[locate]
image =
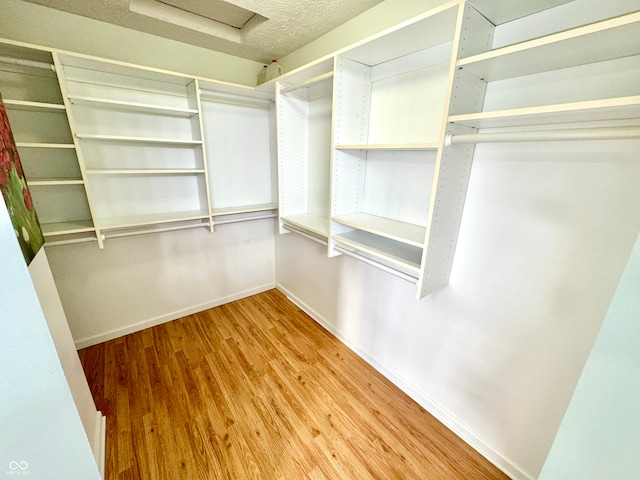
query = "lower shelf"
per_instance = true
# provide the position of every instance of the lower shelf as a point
(310, 222)
(385, 227)
(388, 251)
(67, 228)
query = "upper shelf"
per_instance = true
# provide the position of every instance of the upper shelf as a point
(132, 106)
(609, 39)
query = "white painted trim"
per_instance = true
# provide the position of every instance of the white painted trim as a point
(152, 322)
(100, 442)
(509, 467)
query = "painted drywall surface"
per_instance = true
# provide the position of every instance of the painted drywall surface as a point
(47, 27)
(47, 293)
(375, 20)
(41, 433)
(139, 281)
(599, 436)
(545, 236)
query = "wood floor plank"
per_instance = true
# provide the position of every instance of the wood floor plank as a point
(255, 389)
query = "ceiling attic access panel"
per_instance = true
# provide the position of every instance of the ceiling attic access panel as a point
(390, 102)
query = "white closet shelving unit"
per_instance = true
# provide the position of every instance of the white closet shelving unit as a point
(140, 142)
(390, 103)
(525, 74)
(241, 152)
(33, 100)
(304, 105)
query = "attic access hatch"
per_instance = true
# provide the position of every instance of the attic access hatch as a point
(213, 17)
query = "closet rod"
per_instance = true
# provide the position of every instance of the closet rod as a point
(243, 219)
(27, 63)
(598, 133)
(152, 230)
(304, 234)
(368, 261)
(70, 241)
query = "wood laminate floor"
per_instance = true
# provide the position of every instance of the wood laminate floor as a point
(255, 389)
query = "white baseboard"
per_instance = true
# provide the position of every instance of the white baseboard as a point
(512, 469)
(152, 322)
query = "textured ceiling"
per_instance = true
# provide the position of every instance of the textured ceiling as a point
(280, 26)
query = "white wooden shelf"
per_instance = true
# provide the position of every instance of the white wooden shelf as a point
(143, 140)
(54, 181)
(503, 11)
(385, 227)
(307, 83)
(593, 110)
(390, 147)
(145, 171)
(67, 228)
(132, 106)
(70, 146)
(239, 209)
(32, 106)
(151, 219)
(309, 222)
(591, 43)
(400, 254)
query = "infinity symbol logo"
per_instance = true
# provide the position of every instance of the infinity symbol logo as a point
(13, 465)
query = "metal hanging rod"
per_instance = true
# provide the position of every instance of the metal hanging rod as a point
(597, 133)
(368, 261)
(27, 63)
(304, 234)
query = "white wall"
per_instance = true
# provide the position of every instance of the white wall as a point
(47, 293)
(496, 355)
(600, 434)
(41, 434)
(47, 27)
(137, 282)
